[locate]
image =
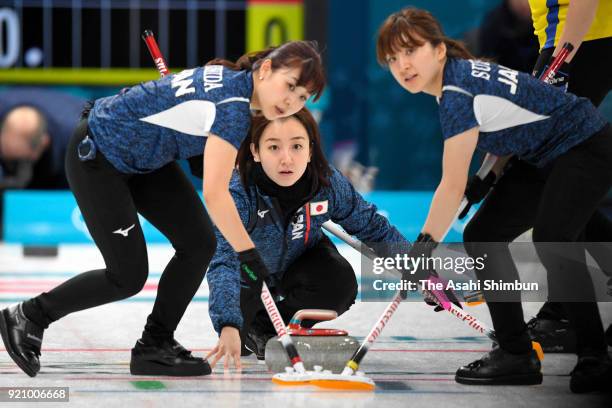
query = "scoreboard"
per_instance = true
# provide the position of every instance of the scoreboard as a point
(71, 41)
(106, 33)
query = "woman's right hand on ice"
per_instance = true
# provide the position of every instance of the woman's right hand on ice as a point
(228, 348)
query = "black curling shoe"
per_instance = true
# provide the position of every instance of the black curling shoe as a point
(22, 339)
(255, 342)
(166, 357)
(499, 367)
(554, 335)
(591, 374)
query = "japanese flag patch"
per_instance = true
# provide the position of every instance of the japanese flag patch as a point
(318, 208)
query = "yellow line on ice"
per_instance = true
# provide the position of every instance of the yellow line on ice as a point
(81, 76)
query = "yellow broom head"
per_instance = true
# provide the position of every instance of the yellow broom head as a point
(324, 379)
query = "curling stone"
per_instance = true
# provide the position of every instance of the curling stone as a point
(328, 348)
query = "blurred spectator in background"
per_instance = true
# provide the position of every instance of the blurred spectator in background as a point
(361, 177)
(35, 125)
(506, 35)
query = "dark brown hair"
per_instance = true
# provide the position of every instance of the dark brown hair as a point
(318, 163)
(411, 28)
(294, 54)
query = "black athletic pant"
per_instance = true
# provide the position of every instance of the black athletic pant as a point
(557, 202)
(110, 203)
(590, 77)
(320, 278)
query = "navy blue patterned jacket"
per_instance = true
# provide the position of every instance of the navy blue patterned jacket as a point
(280, 245)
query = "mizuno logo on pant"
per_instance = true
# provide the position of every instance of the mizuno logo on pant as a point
(124, 232)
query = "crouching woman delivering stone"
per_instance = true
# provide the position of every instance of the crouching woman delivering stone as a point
(285, 190)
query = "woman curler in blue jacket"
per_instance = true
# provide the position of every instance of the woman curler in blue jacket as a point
(285, 190)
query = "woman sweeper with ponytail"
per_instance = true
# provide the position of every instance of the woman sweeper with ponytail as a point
(121, 162)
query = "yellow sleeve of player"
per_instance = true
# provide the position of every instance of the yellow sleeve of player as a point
(549, 20)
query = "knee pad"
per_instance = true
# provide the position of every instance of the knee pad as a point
(202, 252)
(129, 280)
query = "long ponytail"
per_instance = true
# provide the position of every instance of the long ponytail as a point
(457, 49)
(248, 62)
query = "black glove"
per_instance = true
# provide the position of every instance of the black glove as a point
(433, 299)
(253, 273)
(476, 190)
(421, 248)
(561, 77)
